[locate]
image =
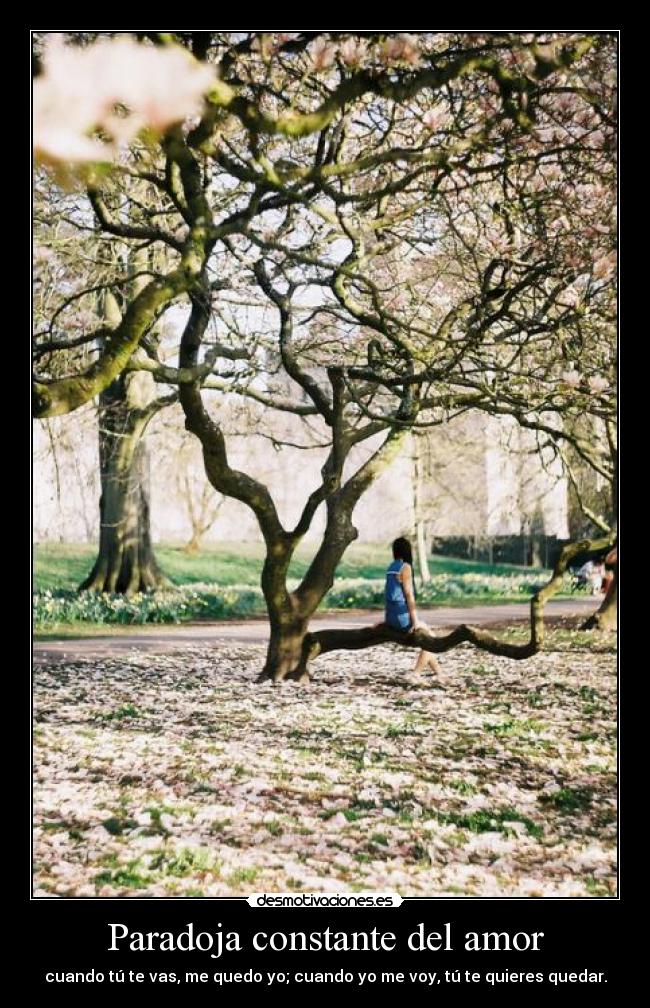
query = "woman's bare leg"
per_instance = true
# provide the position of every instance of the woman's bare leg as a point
(425, 658)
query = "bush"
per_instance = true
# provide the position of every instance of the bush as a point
(361, 594)
(169, 606)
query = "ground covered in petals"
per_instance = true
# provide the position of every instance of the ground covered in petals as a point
(177, 775)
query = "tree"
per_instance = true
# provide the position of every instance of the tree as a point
(201, 503)
(87, 273)
(319, 162)
(125, 562)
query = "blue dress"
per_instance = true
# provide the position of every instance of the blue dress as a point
(397, 613)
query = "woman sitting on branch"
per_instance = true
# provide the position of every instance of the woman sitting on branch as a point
(401, 613)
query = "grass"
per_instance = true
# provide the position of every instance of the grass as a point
(63, 565)
(568, 800)
(486, 822)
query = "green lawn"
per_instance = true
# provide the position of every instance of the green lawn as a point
(59, 565)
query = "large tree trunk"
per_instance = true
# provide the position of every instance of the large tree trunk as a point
(284, 656)
(290, 612)
(125, 563)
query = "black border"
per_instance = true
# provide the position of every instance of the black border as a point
(72, 935)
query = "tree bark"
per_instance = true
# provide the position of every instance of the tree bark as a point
(125, 563)
(606, 616)
(290, 612)
(284, 654)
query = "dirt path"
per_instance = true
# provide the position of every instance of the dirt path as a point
(162, 639)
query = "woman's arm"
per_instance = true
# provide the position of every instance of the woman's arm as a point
(406, 579)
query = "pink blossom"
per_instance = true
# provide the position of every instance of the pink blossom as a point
(574, 258)
(353, 52)
(42, 255)
(58, 133)
(436, 119)
(597, 384)
(263, 44)
(571, 296)
(400, 49)
(323, 54)
(572, 378)
(566, 102)
(552, 171)
(488, 103)
(524, 62)
(605, 266)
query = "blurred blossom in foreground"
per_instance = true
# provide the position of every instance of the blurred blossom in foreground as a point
(118, 86)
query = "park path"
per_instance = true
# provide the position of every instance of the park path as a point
(165, 639)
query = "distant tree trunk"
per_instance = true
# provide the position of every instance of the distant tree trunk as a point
(193, 545)
(202, 513)
(536, 552)
(418, 509)
(423, 555)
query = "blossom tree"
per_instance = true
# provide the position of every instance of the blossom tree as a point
(385, 203)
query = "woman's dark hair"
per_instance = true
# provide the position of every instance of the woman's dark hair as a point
(402, 550)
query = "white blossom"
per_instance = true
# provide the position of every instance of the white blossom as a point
(117, 86)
